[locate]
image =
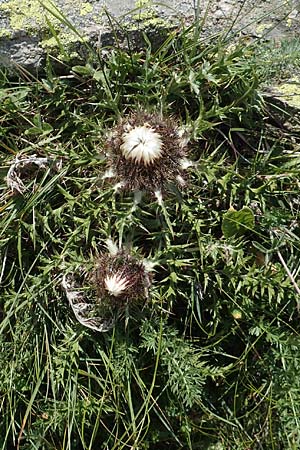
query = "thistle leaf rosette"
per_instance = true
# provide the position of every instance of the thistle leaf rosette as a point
(146, 152)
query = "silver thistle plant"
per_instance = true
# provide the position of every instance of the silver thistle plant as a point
(117, 280)
(146, 152)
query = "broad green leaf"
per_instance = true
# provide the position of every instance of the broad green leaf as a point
(83, 70)
(237, 223)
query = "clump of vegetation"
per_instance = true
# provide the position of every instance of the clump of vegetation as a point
(210, 357)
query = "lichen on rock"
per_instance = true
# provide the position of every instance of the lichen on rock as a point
(34, 16)
(26, 15)
(290, 91)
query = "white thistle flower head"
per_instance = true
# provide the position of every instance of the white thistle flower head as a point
(116, 284)
(120, 279)
(146, 152)
(142, 144)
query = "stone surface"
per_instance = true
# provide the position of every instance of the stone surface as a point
(29, 29)
(284, 100)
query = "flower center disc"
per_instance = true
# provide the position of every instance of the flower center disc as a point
(142, 144)
(116, 284)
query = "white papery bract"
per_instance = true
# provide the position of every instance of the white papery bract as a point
(85, 311)
(142, 144)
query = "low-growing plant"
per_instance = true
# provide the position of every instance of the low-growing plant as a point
(208, 356)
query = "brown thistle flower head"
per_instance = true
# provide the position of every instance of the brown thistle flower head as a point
(120, 279)
(146, 152)
(99, 297)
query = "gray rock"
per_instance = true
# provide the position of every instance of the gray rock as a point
(30, 31)
(283, 101)
(24, 51)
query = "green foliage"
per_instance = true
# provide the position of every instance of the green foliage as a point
(211, 360)
(237, 223)
(279, 61)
